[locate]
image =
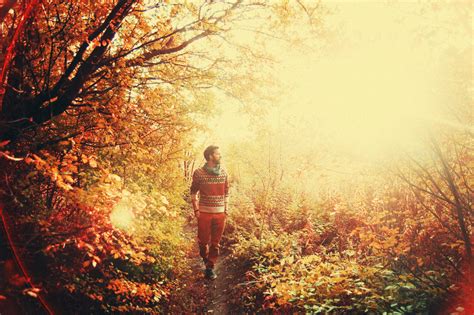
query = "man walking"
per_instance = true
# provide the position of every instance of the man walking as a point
(211, 182)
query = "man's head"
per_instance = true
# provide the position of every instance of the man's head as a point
(212, 154)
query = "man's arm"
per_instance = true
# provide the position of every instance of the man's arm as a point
(195, 200)
(194, 191)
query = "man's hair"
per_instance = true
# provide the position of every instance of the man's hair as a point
(209, 150)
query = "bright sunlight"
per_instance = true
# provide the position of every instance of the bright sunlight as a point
(370, 92)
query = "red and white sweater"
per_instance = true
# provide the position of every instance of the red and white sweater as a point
(213, 190)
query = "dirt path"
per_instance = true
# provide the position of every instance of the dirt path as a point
(200, 295)
(220, 287)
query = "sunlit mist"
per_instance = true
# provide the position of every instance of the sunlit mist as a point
(371, 89)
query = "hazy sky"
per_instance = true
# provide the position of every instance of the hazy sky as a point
(371, 89)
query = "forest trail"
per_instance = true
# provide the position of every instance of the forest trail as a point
(219, 288)
(200, 295)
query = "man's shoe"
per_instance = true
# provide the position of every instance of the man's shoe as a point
(210, 274)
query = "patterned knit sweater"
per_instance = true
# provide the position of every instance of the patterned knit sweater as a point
(213, 190)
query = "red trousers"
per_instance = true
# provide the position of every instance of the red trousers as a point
(210, 229)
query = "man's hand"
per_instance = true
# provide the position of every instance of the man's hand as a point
(196, 213)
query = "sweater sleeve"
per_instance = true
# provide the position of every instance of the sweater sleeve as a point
(195, 184)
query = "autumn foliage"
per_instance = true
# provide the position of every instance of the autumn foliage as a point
(100, 105)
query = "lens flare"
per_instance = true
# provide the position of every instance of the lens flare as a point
(122, 215)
